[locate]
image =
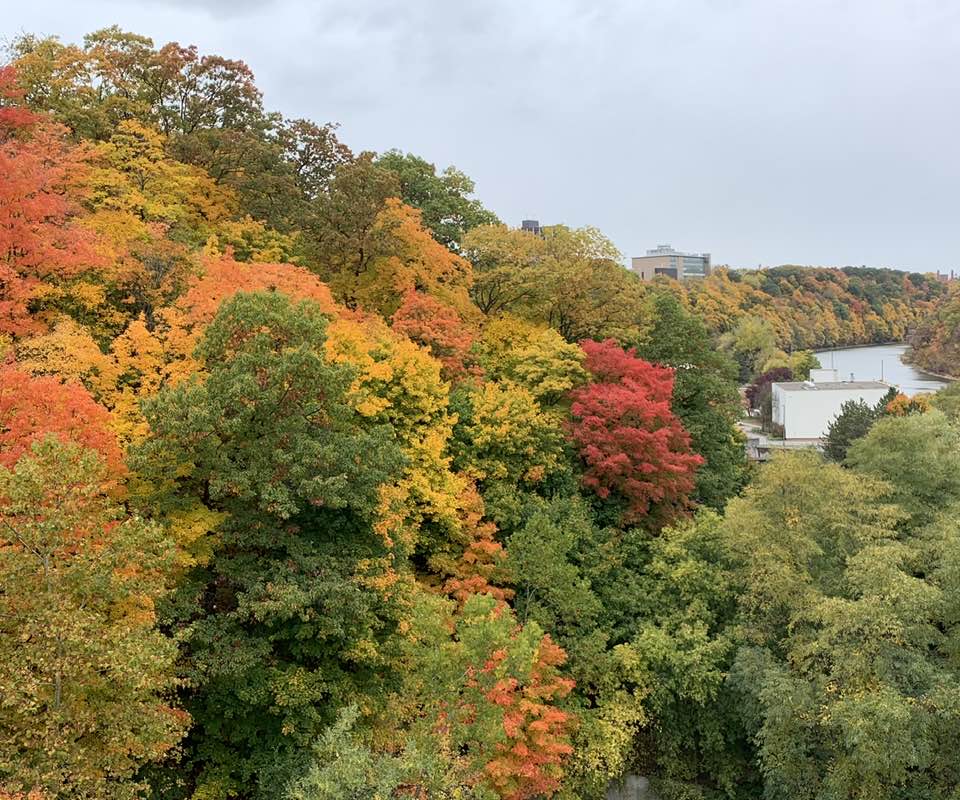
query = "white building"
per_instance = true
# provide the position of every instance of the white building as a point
(805, 409)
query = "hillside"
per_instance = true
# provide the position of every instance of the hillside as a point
(319, 482)
(815, 308)
(936, 342)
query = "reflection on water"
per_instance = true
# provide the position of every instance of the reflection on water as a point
(880, 362)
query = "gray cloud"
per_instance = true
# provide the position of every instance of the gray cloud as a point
(765, 131)
(216, 8)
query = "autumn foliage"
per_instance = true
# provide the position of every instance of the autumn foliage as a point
(438, 327)
(529, 763)
(32, 408)
(375, 494)
(479, 567)
(39, 247)
(634, 448)
(222, 277)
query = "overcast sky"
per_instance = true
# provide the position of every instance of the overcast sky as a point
(763, 131)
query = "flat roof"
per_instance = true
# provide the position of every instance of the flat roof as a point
(672, 255)
(809, 386)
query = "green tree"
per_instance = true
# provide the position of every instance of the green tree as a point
(948, 401)
(585, 293)
(569, 279)
(85, 676)
(289, 620)
(551, 560)
(346, 767)
(752, 342)
(571, 578)
(705, 396)
(919, 455)
(504, 267)
(681, 648)
(340, 235)
(853, 422)
(445, 200)
(846, 670)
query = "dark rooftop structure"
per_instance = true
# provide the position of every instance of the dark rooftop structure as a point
(532, 226)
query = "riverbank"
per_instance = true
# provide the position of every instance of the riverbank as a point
(942, 376)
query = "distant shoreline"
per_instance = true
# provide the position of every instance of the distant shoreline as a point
(941, 376)
(860, 347)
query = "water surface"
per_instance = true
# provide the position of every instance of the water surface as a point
(880, 362)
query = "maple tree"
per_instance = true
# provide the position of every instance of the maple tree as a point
(32, 408)
(504, 436)
(39, 249)
(399, 384)
(532, 356)
(634, 448)
(479, 567)
(493, 695)
(437, 327)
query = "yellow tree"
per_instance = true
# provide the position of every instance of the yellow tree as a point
(399, 383)
(503, 436)
(409, 259)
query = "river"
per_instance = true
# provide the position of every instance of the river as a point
(880, 362)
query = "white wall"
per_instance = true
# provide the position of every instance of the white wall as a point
(807, 414)
(820, 375)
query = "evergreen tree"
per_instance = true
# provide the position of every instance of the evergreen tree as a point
(853, 422)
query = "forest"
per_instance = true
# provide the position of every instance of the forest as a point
(318, 481)
(935, 343)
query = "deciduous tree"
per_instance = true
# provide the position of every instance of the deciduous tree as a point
(39, 247)
(493, 692)
(439, 328)
(86, 676)
(32, 408)
(295, 610)
(635, 450)
(444, 199)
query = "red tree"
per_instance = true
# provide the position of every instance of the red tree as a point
(37, 243)
(34, 407)
(529, 763)
(437, 327)
(635, 449)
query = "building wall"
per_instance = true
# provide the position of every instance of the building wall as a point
(808, 414)
(676, 265)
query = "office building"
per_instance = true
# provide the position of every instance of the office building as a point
(665, 260)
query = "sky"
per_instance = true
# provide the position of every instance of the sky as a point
(819, 132)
